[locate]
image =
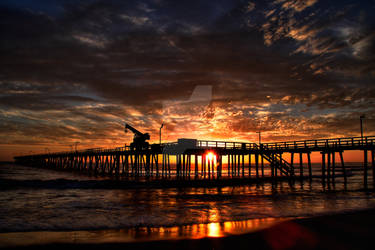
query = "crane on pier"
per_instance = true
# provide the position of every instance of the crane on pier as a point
(139, 140)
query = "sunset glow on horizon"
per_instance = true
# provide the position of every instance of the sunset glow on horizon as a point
(72, 75)
(193, 124)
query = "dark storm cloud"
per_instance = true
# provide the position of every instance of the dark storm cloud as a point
(333, 33)
(231, 53)
(282, 65)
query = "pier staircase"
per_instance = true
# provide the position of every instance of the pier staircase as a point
(276, 160)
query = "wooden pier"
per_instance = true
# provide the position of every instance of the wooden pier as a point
(214, 159)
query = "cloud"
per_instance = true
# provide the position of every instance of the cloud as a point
(329, 33)
(282, 66)
(136, 20)
(296, 5)
(91, 40)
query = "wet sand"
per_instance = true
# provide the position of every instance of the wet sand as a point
(351, 230)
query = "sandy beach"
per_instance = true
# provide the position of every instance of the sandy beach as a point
(351, 230)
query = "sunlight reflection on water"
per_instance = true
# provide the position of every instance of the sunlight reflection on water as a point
(195, 231)
(143, 213)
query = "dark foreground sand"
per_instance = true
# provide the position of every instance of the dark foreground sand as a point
(354, 230)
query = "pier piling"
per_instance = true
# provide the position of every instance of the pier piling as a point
(243, 160)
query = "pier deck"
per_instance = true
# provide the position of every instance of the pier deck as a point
(204, 159)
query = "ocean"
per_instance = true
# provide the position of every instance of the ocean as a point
(34, 200)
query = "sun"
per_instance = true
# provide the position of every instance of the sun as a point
(210, 156)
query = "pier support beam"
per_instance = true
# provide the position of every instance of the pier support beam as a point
(262, 166)
(291, 163)
(202, 166)
(196, 166)
(257, 166)
(272, 165)
(301, 166)
(250, 166)
(220, 165)
(228, 165)
(365, 168)
(343, 166)
(328, 166)
(333, 166)
(243, 165)
(309, 165)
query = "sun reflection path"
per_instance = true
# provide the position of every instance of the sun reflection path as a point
(138, 234)
(214, 230)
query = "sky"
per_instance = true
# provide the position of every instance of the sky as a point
(74, 71)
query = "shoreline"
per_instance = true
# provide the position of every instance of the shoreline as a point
(348, 230)
(7, 184)
(123, 184)
(158, 182)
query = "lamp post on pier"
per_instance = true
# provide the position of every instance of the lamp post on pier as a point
(260, 140)
(361, 123)
(75, 144)
(162, 125)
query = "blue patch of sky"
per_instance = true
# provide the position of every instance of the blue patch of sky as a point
(49, 7)
(196, 12)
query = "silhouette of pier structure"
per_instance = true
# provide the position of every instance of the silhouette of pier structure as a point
(191, 158)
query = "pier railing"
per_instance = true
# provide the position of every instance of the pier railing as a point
(314, 145)
(226, 145)
(351, 142)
